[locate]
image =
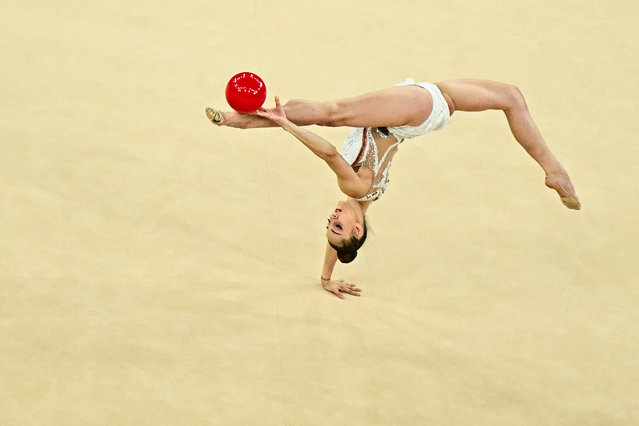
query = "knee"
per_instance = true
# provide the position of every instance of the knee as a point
(514, 98)
(331, 114)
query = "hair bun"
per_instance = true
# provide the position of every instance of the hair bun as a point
(346, 256)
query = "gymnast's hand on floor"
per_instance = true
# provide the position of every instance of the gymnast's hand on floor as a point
(339, 286)
(277, 114)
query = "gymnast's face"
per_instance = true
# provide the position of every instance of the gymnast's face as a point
(342, 224)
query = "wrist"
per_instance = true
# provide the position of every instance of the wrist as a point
(285, 124)
(324, 280)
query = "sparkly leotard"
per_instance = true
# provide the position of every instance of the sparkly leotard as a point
(359, 150)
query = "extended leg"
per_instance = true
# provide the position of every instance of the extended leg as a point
(396, 106)
(481, 95)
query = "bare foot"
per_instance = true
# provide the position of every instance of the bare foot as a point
(237, 119)
(560, 182)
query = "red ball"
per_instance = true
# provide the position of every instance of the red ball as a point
(245, 92)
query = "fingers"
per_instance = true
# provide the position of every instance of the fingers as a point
(337, 287)
(266, 112)
(343, 287)
(349, 286)
(351, 289)
(335, 290)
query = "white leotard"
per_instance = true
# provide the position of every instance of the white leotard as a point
(437, 120)
(360, 149)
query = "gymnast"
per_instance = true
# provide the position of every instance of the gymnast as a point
(380, 121)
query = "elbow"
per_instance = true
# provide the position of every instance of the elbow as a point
(330, 154)
(354, 193)
(353, 189)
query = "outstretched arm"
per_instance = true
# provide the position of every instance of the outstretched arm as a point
(349, 182)
(335, 286)
(318, 145)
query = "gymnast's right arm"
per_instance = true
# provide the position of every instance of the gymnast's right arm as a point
(336, 287)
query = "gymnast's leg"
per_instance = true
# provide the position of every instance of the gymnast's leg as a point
(395, 106)
(481, 95)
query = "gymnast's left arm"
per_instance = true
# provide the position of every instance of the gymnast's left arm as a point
(348, 181)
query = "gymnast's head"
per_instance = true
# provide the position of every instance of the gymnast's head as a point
(346, 230)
